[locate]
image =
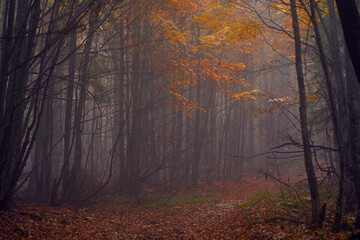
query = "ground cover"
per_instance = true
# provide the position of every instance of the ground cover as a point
(251, 209)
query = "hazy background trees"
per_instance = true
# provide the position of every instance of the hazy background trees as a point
(105, 96)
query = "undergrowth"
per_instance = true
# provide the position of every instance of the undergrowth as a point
(284, 213)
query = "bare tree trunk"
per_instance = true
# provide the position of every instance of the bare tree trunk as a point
(212, 146)
(8, 26)
(174, 168)
(68, 112)
(134, 145)
(354, 135)
(227, 128)
(83, 83)
(119, 109)
(350, 20)
(44, 143)
(334, 114)
(315, 201)
(15, 135)
(197, 144)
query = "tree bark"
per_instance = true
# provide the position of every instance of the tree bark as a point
(80, 108)
(334, 116)
(312, 181)
(14, 137)
(69, 111)
(350, 21)
(354, 135)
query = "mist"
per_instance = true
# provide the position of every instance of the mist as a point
(138, 101)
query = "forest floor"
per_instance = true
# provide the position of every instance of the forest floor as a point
(251, 209)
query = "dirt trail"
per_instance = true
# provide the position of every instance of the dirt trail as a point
(206, 220)
(209, 220)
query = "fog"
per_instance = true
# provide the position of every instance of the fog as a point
(139, 97)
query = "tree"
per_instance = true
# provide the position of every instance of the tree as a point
(315, 200)
(350, 20)
(65, 171)
(16, 137)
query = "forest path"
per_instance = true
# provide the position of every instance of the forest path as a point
(219, 211)
(208, 219)
(208, 212)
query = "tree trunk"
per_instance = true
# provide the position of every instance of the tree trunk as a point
(350, 21)
(8, 27)
(334, 115)
(134, 144)
(80, 108)
(119, 111)
(197, 144)
(69, 112)
(354, 135)
(13, 145)
(313, 185)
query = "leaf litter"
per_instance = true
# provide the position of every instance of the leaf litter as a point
(250, 209)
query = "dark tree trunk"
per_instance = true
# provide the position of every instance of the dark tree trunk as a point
(197, 144)
(334, 116)
(350, 21)
(8, 28)
(134, 143)
(15, 135)
(69, 112)
(354, 136)
(313, 185)
(76, 172)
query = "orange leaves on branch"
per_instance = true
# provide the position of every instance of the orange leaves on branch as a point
(226, 24)
(182, 5)
(221, 70)
(169, 30)
(202, 41)
(313, 98)
(246, 95)
(185, 104)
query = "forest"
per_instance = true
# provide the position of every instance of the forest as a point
(179, 119)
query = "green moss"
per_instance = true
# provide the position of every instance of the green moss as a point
(21, 232)
(243, 206)
(262, 196)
